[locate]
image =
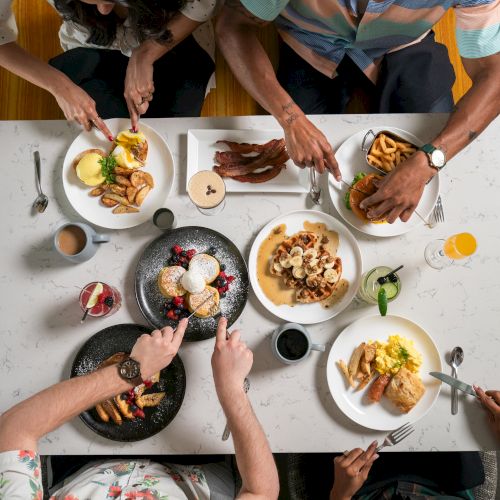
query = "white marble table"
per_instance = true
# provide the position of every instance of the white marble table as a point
(40, 329)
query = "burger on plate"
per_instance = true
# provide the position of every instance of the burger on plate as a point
(362, 186)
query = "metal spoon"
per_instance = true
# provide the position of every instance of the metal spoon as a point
(456, 358)
(314, 189)
(42, 200)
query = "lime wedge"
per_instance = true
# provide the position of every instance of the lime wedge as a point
(391, 290)
(382, 302)
(94, 296)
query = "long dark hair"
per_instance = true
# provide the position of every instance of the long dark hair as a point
(147, 18)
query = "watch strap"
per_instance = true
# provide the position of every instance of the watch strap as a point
(428, 148)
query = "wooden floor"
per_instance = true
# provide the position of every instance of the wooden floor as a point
(38, 25)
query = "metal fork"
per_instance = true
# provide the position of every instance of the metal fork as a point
(438, 211)
(227, 431)
(396, 436)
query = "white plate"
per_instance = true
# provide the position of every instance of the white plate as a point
(159, 164)
(381, 416)
(202, 148)
(351, 160)
(351, 267)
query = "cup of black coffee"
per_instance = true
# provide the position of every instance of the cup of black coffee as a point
(291, 343)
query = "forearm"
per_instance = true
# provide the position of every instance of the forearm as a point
(253, 455)
(30, 68)
(473, 113)
(24, 424)
(180, 27)
(253, 69)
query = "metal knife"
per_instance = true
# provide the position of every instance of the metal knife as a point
(458, 384)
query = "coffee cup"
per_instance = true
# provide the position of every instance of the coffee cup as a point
(77, 242)
(292, 343)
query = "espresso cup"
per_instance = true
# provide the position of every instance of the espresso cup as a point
(292, 343)
(77, 242)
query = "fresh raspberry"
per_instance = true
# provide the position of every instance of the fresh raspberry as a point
(171, 314)
(139, 413)
(148, 384)
(177, 249)
(191, 253)
(225, 288)
(222, 274)
(230, 279)
(178, 301)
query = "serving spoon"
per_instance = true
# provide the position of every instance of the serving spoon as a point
(42, 200)
(456, 358)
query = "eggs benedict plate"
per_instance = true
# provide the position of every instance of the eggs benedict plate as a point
(121, 184)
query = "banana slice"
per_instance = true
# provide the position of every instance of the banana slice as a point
(310, 253)
(285, 260)
(331, 275)
(296, 251)
(329, 263)
(299, 272)
(313, 281)
(296, 260)
(278, 267)
(312, 269)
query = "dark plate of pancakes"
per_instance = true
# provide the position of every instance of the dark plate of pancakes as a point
(121, 338)
(155, 258)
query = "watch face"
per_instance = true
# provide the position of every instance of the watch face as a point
(438, 158)
(129, 369)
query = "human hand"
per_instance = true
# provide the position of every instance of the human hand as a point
(308, 147)
(491, 403)
(78, 106)
(231, 362)
(351, 471)
(139, 85)
(400, 191)
(156, 351)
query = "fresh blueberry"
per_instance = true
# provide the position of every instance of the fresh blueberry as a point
(133, 408)
(222, 267)
(177, 311)
(124, 396)
(185, 265)
(223, 283)
(212, 251)
(169, 305)
(184, 253)
(109, 301)
(222, 295)
(393, 278)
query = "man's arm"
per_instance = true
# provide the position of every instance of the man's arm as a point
(236, 33)
(23, 425)
(139, 84)
(400, 192)
(231, 363)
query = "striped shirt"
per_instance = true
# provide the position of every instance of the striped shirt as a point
(323, 31)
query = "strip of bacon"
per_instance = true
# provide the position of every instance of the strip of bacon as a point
(223, 157)
(245, 147)
(265, 176)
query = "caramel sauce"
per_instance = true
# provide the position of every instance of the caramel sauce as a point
(272, 286)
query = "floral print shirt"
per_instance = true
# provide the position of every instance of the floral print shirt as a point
(20, 478)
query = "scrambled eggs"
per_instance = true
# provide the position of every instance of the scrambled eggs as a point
(395, 353)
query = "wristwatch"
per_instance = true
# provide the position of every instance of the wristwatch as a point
(436, 156)
(130, 370)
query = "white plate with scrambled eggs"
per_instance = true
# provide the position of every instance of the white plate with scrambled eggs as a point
(422, 357)
(159, 163)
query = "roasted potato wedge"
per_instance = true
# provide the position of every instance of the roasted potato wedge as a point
(118, 189)
(117, 197)
(124, 171)
(141, 195)
(122, 209)
(122, 180)
(149, 179)
(355, 359)
(97, 191)
(370, 351)
(365, 380)
(109, 202)
(137, 179)
(131, 192)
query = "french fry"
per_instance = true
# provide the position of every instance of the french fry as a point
(374, 161)
(343, 368)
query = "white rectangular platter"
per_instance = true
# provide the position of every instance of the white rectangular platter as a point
(202, 148)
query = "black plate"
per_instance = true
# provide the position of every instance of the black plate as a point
(121, 338)
(155, 257)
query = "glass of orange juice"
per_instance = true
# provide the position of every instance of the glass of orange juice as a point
(441, 253)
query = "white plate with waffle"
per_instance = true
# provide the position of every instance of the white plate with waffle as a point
(305, 313)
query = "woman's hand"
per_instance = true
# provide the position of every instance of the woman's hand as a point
(78, 106)
(139, 85)
(491, 403)
(351, 471)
